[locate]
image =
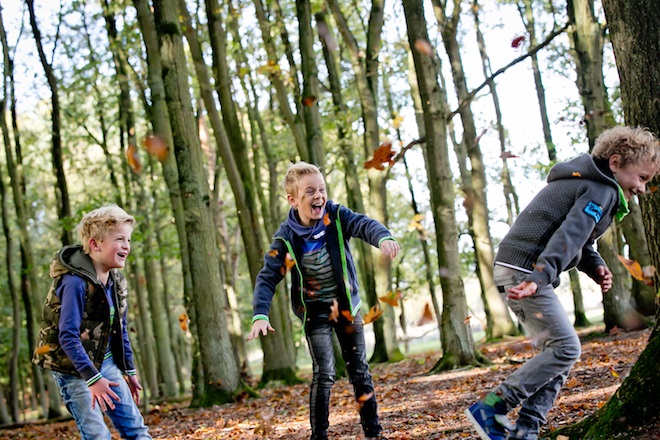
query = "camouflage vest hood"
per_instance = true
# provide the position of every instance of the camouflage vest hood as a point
(95, 327)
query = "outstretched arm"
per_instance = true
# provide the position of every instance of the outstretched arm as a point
(260, 326)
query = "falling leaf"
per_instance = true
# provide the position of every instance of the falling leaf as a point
(517, 41)
(427, 316)
(636, 270)
(652, 189)
(601, 404)
(44, 349)
(392, 298)
(184, 321)
(156, 146)
(133, 159)
(424, 47)
(373, 314)
(416, 223)
(363, 398)
(273, 252)
(508, 155)
(576, 174)
(613, 371)
(289, 262)
(309, 100)
(347, 314)
(538, 267)
(326, 219)
(397, 121)
(382, 155)
(334, 311)
(467, 320)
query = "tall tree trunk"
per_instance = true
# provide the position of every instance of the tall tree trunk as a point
(578, 302)
(510, 195)
(62, 192)
(158, 320)
(499, 321)
(365, 67)
(160, 121)
(587, 44)
(457, 343)
(221, 375)
(274, 71)
(311, 92)
(276, 366)
(527, 15)
(635, 32)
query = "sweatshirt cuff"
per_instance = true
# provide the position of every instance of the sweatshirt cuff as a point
(260, 318)
(130, 372)
(389, 237)
(92, 380)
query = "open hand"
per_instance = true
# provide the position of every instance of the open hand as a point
(260, 326)
(102, 393)
(134, 385)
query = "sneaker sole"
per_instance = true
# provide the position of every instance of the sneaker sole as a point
(477, 426)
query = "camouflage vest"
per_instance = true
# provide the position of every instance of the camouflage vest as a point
(95, 327)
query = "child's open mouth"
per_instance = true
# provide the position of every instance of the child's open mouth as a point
(317, 208)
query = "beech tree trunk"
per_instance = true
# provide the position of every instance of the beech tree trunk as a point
(635, 32)
(457, 343)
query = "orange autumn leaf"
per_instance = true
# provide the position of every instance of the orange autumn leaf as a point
(576, 174)
(392, 298)
(326, 219)
(652, 189)
(467, 319)
(427, 316)
(44, 349)
(423, 47)
(347, 314)
(309, 100)
(508, 155)
(334, 311)
(636, 270)
(183, 321)
(156, 146)
(289, 262)
(382, 155)
(273, 252)
(363, 398)
(373, 314)
(133, 159)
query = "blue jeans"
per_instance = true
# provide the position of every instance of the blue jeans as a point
(318, 330)
(126, 416)
(537, 382)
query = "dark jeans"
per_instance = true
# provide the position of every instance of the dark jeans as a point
(318, 330)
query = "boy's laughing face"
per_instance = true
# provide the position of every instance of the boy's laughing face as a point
(310, 199)
(112, 251)
(633, 177)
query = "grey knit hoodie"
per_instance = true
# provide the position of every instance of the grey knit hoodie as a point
(557, 230)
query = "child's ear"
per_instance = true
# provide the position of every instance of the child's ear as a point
(615, 162)
(93, 244)
(292, 200)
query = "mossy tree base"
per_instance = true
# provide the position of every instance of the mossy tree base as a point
(451, 361)
(286, 376)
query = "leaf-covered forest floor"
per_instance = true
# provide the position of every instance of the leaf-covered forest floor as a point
(412, 404)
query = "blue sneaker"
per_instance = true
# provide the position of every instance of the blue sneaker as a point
(489, 422)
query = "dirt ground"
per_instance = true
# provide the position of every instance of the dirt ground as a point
(412, 404)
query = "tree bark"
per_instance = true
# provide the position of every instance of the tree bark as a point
(635, 32)
(457, 343)
(222, 380)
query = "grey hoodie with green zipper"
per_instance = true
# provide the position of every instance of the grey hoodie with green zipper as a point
(559, 227)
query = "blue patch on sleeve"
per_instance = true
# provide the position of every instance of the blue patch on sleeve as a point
(594, 210)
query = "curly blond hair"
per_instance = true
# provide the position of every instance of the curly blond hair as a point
(295, 172)
(97, 223)
(633, 145)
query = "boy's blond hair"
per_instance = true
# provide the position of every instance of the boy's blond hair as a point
(295, 172)
(635, 145)
(97, 223)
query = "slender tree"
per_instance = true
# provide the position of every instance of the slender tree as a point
(635, 32)
(457, 344)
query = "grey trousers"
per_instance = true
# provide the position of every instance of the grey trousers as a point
(537, 382)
